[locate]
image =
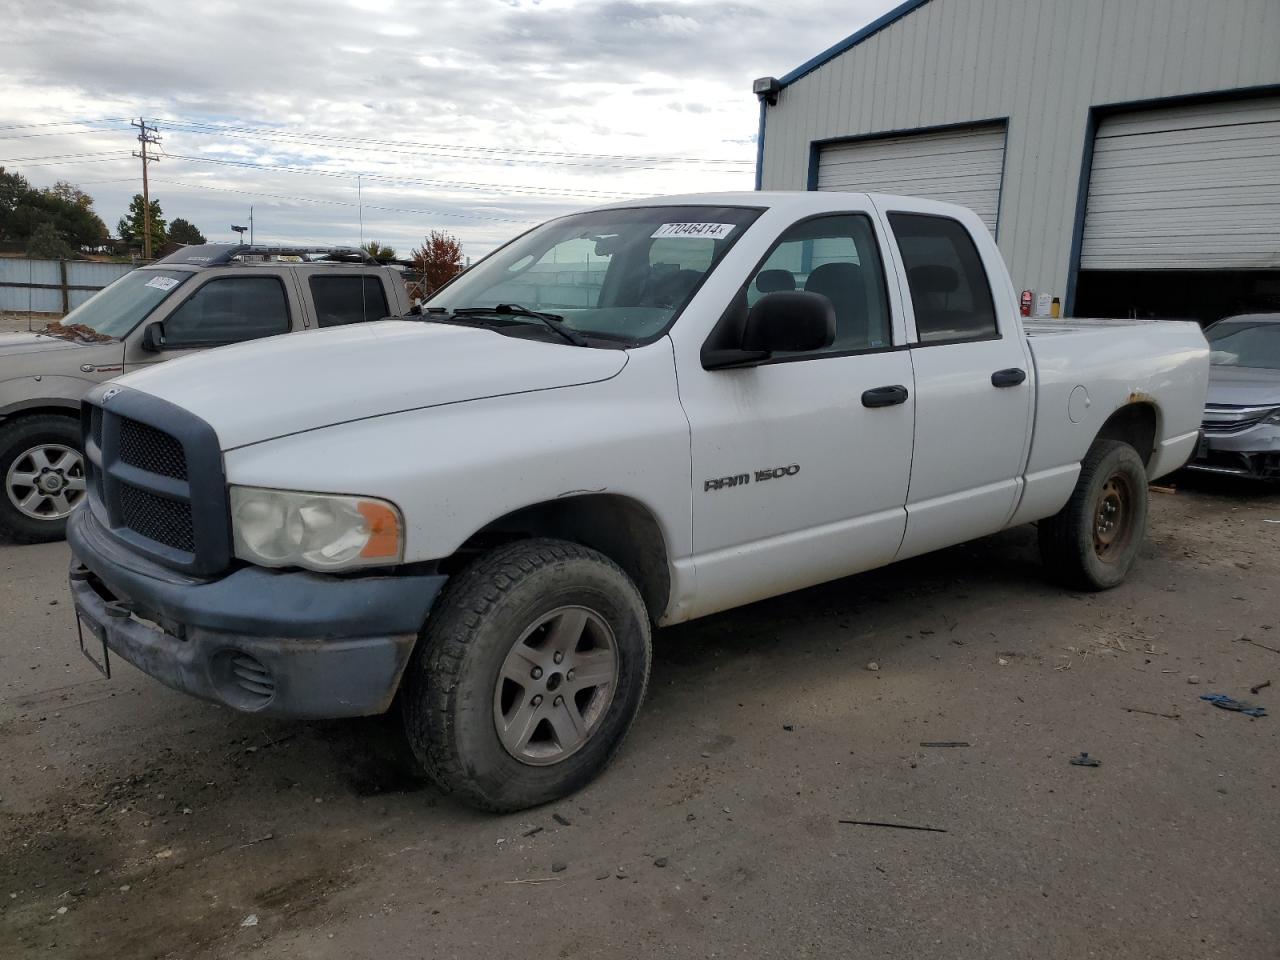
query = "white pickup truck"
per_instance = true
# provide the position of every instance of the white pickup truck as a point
(626, 417)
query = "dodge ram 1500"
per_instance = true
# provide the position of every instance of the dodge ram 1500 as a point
(626, 417)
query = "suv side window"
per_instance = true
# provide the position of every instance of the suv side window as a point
(836, 256)
(949, 287)
(348, 298)
(229, 310)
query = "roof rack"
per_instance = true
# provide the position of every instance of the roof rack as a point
(218, 254)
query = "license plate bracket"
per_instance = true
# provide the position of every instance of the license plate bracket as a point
(98, 633)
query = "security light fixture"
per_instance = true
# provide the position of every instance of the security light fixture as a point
(767, 89)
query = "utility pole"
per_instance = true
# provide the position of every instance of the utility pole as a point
(251, 225)
(146, 135)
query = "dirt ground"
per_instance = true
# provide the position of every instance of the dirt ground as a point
(138, 823)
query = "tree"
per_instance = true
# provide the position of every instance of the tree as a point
(378, 251)
(183, 231)
(66, 208)
(439, 260)
(71, 194)
(46, 243)
(131, 225)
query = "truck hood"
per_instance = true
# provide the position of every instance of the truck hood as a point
(19, 344)
(1244, 386)
(303, 381)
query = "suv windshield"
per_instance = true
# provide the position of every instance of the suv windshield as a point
(117, 309)
(616, 274)
(1245, 343)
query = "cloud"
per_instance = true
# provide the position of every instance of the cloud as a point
(417, 99)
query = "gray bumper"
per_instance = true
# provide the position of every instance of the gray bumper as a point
(280, 643)
(1249, 453)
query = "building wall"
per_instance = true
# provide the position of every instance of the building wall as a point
(1042, 64)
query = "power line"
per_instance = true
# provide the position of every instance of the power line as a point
(456, 184)
(64, 123)
(340, 203)
(265, 133)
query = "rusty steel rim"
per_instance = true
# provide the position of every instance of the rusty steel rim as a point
(1113, 519)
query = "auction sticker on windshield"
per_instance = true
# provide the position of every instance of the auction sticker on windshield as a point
(716, 231)
(163, 283)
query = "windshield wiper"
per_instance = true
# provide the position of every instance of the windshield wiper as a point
(552, 320)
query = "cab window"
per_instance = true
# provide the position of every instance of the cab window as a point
(347, 299)
(949, 289)
(229, 310)
(836, 257)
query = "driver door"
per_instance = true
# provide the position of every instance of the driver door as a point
(225, 309)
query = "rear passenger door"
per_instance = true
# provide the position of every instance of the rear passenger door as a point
(342, 298)
(973, 377)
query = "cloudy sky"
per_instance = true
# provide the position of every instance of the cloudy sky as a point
(476, 116)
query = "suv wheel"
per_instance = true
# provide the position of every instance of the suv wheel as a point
(42, 470)
(530, 671)
(1092, 542)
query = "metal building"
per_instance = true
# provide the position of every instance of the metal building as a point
(1125, 152)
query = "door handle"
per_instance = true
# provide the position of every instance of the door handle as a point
(1008, 378)
(884, 396)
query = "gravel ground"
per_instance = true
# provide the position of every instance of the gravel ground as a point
(137, 823)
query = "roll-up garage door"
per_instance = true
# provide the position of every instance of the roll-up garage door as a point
(961, 165)
(1194, 187)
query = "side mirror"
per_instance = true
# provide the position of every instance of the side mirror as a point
(783, 321)
(153, 337)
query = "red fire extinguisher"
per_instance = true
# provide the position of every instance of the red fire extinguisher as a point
(1025, 302)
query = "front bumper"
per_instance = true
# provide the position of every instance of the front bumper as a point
(280, 643)
(1254, 452)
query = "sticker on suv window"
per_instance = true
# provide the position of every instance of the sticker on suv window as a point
(162, 283)
(716, 231)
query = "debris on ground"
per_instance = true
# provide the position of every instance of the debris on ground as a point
(1257, 644)
(1084, 760)
(1193, 679)
(534, 832)
(561, 819)
(873, 666)
(1154, 713)
(944, 743)
(660, 862)
(892, 826)
(559, 867)
(250, 921)
(1261, 686)
(1237, 706)
(788, 726)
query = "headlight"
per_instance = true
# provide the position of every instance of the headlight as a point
(319, 531)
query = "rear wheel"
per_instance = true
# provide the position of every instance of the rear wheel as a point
(529, 673)
(1092, 542)
(42, 470)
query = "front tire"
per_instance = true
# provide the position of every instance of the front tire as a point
(528, 675)
(42, 477)
(1091, 543)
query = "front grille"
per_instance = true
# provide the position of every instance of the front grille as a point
(156, 479)
(153, 450)
(252, 677)
(157, 518)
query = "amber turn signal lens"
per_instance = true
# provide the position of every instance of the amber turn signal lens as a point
(384, 530)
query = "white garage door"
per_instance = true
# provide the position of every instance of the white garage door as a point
(961, 165)
(1186, 188)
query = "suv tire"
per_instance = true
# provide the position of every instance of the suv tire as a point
(528, 674)
(41, 477)
(1091, 543)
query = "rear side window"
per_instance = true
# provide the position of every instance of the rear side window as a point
(348, 299)
(949, 288)
(229, 310)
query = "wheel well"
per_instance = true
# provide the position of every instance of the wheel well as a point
(1134, 424)
(619, 527)
(54, 410)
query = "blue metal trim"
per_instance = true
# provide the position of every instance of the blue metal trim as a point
(811, 182)
(1082, 201)
(874, 27)
(1100, 110)
(1004, 165)
(760, 146)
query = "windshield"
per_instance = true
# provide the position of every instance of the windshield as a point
(618, 274)
(117, 309)
(1245, 343)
